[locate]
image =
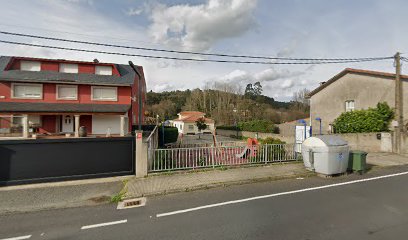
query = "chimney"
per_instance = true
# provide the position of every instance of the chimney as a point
(96, 60)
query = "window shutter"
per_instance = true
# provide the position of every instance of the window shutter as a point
(67, 92)
(103, 70)
(104, 93)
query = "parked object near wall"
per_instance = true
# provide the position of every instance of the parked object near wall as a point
(83, 131)
(325, 154)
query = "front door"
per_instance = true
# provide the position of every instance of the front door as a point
(67, 125)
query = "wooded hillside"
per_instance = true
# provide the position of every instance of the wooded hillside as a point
(227, 104)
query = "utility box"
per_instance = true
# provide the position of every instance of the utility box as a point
(357, 161)
(326, 154)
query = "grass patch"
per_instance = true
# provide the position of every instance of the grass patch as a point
(122, 193)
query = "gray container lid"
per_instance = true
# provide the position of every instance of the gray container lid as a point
(332, 140)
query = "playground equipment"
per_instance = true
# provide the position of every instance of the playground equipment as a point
(250, 149)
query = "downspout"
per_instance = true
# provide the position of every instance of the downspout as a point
(139, 94)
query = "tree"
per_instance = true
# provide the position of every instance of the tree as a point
(166, 109)
(200, 123)
(257, 89)
(249, 90)
(300, 101)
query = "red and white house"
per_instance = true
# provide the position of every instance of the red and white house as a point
(54, 96)
(186, 123)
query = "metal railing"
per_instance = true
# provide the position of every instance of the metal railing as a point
(206, 144)
(152, 144)
(210, 157)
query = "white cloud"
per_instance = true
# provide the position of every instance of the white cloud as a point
(236, 76)
(134, 11)
(199, 27)
(268, 75)
(163, 87)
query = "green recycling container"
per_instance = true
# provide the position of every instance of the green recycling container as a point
(357, 161)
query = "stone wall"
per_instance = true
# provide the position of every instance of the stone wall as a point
(369, 142)
(228, 133)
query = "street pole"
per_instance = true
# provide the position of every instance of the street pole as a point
(398, 102)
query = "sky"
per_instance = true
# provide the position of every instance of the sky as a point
(279, 28)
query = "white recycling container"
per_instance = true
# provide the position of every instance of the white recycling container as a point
(325, 154)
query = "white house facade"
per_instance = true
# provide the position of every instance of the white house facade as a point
(186, 123)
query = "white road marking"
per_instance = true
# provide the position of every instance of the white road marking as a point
(17, 238)
(103, 224)
(278, 194)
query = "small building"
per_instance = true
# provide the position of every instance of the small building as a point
(352, 89)
(186, 122)
(54, 96)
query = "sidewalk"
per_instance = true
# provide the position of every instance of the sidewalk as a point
(386, 159)
(187, 181)
(34, 197)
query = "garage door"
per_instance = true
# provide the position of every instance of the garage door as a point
(101, 124)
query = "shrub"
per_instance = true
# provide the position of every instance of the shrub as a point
(228, 128)
(262, 126)
(270, 140)
(370, 120)
(170, 135)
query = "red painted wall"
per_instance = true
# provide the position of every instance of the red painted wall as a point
(5, 122)
(50, 66)
(48, 124)
(86, 68)
(53, 65)
(49, 95)
(135, 104)
(86, 121)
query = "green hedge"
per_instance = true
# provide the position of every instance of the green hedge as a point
(370, 120)
(262, 126)
(170, 135)
(270, 140)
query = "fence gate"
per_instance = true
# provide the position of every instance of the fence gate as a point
(44, 160)
(301, 133)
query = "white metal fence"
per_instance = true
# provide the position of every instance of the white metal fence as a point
(210, 157)
(207, 144)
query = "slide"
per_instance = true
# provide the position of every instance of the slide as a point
(244, 154)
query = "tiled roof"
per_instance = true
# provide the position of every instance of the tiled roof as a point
(191, 113)
(355, 71)
(20, 107)
(193, 118)
(126, 79)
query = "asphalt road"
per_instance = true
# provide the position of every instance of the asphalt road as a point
(373, 206)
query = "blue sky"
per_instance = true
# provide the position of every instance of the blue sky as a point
(289, 28)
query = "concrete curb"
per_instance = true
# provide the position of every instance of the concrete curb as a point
(221, 184)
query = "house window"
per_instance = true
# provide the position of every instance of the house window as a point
(190, 127)
(17, 120)
(349, 105)
(67, 92)
(103, 70)
(68, 68)
(27, 91)
(30, 66)
(104, 93)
